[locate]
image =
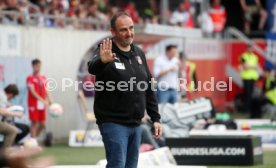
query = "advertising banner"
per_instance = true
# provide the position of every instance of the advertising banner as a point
(219, 150)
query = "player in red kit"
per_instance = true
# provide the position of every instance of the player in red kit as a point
(38, 99)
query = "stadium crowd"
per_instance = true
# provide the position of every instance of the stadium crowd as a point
(89, 14)
(97, 10)
(85, 14)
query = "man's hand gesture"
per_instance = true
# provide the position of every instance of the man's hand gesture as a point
(106, 54)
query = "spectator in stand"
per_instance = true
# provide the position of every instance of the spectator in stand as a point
(132, 11)
(72, 13)
(95, 9)
(42, 4)
(12, 5)
(111, 11)
(153, 5)
(81, 13)
(65, 4)
(149, 17)
(2, 4)
(183, 16)
(73, 6)
(94, 13)
(102, 5)
(56, 9)
(251, 8)
(218, 15)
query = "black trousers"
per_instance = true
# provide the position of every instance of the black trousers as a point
(248, 86)
(257, 104)
(24, 130)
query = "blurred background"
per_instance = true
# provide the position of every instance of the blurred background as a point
(213, 34)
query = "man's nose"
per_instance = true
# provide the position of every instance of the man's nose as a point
(129, 32)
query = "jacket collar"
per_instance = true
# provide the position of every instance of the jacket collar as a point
(116, 49)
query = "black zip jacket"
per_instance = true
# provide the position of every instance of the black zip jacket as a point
(123, 107)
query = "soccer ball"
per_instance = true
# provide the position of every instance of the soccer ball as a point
(31, 142)
(55, 110)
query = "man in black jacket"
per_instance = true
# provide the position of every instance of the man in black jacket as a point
(119, 108)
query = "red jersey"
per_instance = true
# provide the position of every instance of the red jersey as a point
(38, 82)
(218, 16)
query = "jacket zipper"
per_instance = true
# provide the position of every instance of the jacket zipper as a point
(135, 95)
(130, 62)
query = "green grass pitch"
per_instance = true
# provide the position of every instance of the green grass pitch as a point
(90, 156)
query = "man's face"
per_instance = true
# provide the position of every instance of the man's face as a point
(183, 59)
(12, 3)
(10, 96)
(217, 2)
(172, 52)
(36, 68)
(93, 9)
(124, 31)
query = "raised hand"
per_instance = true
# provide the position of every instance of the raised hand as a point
(106, 54)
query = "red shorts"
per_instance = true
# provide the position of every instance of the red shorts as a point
(37, 115)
